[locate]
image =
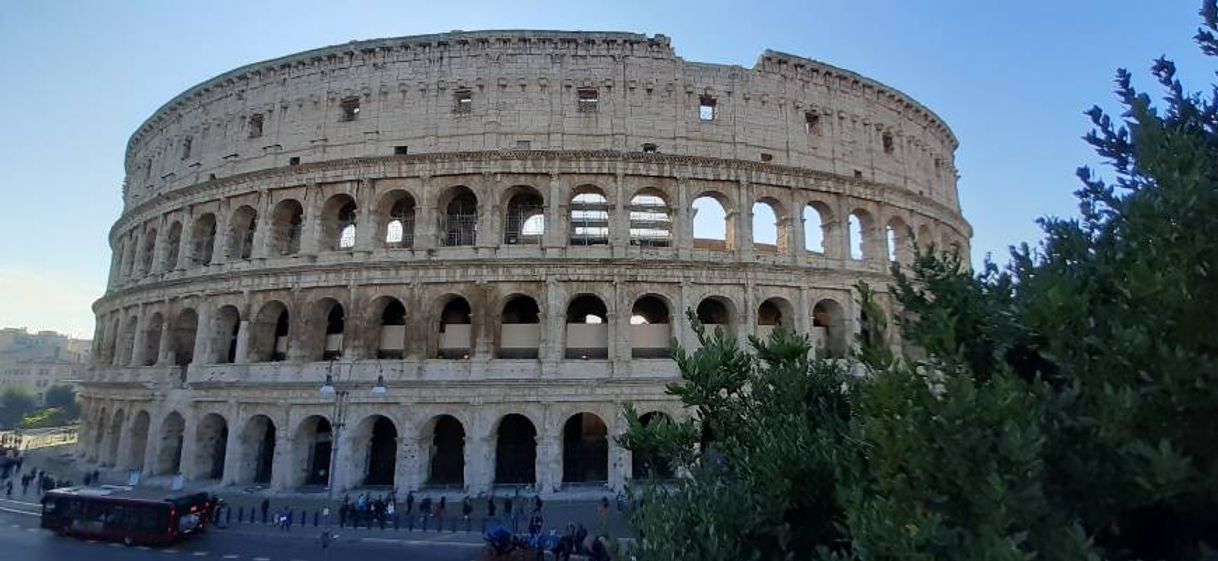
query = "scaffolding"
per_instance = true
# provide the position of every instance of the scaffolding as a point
(589, 219)
(650, 222)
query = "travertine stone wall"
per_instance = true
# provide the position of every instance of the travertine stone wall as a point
(381, 212)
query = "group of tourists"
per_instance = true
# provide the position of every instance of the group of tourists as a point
(39, 479)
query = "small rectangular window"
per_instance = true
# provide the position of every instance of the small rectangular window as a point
(294, 161)
(589, 99)
(256, 125)
(650, 148)
(767, 157)
(186, 145)
(889, 145)
(350, 108)
(463, 101)
(400, 150)
(811, 123)
(858, 174)
(706, 108)
(524, 144)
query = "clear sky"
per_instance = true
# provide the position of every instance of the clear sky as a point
(1011, 78)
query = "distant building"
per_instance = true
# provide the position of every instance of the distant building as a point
(37, 361)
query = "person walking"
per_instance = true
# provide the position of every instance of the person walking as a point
(602, 509)
(266, 505)
(8, 488)
(441, 510)
(424, 512)
(467, 508)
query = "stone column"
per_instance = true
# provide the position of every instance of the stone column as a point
(224, 242)
(549, 462)
(557, 214)
(682, 329)
(164, 353)
(619, 216)
(243, 342)
(157, 264)
(310, 231)
(365, 225)
(262, 232)
(803, 312)
(187, 465)
(152, 449)
(137, 342)
(203, 335)
(480, 472)
(186, 244)
(797, 243)
(426, 218)
(683, 220)
(489, 229)
(283, 466)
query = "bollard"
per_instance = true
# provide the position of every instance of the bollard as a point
(395, 521)
(228, 516)
(240, 514)
(409, 522)
(315, 519)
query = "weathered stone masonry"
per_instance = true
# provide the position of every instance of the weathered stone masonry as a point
(500, 227)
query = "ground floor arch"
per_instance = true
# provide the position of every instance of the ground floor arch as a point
(444, 441)
(651, 465)
(116, 432)
(312, 446)
(516, 451)
(374, 451)
(256, 451)
(211, 446)
(169, 455)
(585, 449)
(138, 441)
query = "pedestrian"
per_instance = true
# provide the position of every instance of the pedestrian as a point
(282, 519)
(409, 502)
(490, 506)
(467, 508)
(510, 513)
(266, 505)
(96, 476)
(88, 479)
(441, 510)
(537, 504)
(424, 511)
(8, 488)
(288, 524)
(602, 509)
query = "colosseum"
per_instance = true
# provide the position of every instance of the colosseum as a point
(448, 261)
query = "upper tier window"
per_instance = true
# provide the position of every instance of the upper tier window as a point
(588, 100)
(350, 107)
(463, 101)
(256, 124)
(706, 108)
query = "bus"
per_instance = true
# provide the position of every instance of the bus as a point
(127, 514)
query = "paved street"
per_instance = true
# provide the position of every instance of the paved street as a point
(21, 538)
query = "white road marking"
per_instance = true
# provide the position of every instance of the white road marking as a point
(199, 554)
(419, 542)
(262, 559)
(231, 556)
(15, 511)
(31, 529)
(143, 548)
(115, 544)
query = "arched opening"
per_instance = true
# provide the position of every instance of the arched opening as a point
(587, 328)
(287, 223)
(138, 442)
(127, 261)
(525, 222)
(392, 340)
(859, 231)
(652, 464)
(589, 217)
(148, 251)
(242, 226)
(925, 239)
(314, 440)
(116, 431)
(459, 224)
(335, 326)
(897, 241)
(211, 444)
(769, 232)
(772, 314)
(169, 458)
(650, 332)
(99, 434)
(398, 208)
(712, 228)
(456, 329)
(228, 329)
(817, 235)
(152, 339)
(829, 329)
(126, 343)
(516, 451)
(446, 446)
(520, 328)
(650, 219)
(269, 339)
(204, 236)
(173, 242)
(338, 222)
(585, 449)
(185, 330)
(715, 313)
(112, 337)
(376, 445)
(257, 450)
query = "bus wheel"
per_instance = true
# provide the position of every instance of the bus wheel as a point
(127, 541)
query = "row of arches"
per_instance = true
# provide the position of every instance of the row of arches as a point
(372, 449)
(590, 216)
(326, 329)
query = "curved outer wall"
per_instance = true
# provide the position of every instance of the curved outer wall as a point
(435, 189)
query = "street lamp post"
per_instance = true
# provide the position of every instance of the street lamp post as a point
(341, 396)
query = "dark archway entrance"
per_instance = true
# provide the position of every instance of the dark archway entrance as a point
(516, 451)
(382, 453)
(653, 465)
(318, 440)
(447, 467)
(585, 449)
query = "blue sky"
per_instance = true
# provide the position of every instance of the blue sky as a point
(1011, 78)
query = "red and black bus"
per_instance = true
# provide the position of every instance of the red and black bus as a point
(126, 514)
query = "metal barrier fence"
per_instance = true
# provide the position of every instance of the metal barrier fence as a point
(32, 439)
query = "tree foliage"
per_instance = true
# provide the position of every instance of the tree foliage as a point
(14, 404)
(1062, 407)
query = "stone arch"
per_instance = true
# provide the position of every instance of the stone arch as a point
(818, 231)
(829, 331)
(650, 327)
(112, 343)
(148, 250)
(443, 440)
(519, 328)
(185, 331)
(169, 453)
(271, 332)
(717, 312)
(374, 445)
(587, 329)
(771, 229)
(287, 226)
(650, 218)
(100, 423)
(897, 241)
(311, 445)
(211, 445)
(515, 450)
(589, 216)
(455, 328)
(204, 235)
(388, 314)
(774, 313)
(126, 344)
(226, 330)
(860, 233)
(524, 216)
(925, 239)
(256, 451)
(173, 243)
(152, 339)
(338, 222)
(459, 221)
(651, 465)
(115, 432)
(713, 227)
(138, 442)
(330, 325)
(585, 449)
(242, 226)
(396, 216)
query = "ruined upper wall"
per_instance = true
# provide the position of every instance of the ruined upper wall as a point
(524, 92)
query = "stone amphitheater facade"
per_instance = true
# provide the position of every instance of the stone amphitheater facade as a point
(497, 228)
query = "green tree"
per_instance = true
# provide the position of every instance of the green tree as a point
(64, 398)
(14, 404)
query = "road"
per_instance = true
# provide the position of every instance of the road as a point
(21, 538)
